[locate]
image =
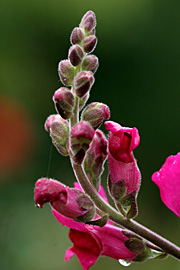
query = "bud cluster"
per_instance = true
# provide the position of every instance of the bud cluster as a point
(78, 70)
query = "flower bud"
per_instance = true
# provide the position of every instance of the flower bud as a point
(81, 136)
(95, 158)
(88, 22)
(59, 132)
(76, 36)
(83, 83)
(64, 102)
(69, 202)
(90, 63)
(95, 113)
(66, 72)
(76, 55)
(135, 245)
(124, 175)
(89, 43)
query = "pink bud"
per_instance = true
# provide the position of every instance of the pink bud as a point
(168, 181)
(124, 175)
(122, 141)
(90, 63)
(88, 21)
(69, 202)
(83, 83)
(64, 102)
(59, 132)
(66, 72)
(95, 158)
(77, 35)
(81, 136)
(89, 43)
(95, 113)
(76, 55)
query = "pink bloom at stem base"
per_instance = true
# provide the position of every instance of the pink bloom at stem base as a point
(168, 181)
(91, 242)
(124, 175)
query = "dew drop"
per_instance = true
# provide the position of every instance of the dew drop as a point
(125, 262)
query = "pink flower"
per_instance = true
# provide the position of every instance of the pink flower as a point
(70, 202)
(122, 141)
(90, 242)
(168, 181)
(124, 175)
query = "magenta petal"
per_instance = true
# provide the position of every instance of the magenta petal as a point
(69, 254)
(113, 239)
(112, 126)
(86, 247)
(168, 181)
(68, 222)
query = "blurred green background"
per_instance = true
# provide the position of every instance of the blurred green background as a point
(138, 49)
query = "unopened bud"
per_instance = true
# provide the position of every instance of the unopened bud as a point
(88, 21)
(83, 82)
(95, 113)
(59, 132)
(76, 36)
(76, 55)
(95, 158)
(89, 43)
(69, 202)
(81, 136)
(135, 245)
(66, 72)
(90, 63)
(64, 102)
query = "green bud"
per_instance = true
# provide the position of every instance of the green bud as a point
(64, 102)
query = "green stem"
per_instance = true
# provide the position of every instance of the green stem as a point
(115, 216)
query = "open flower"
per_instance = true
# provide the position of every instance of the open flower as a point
(168, 181)
(90, 242)
(124, 175)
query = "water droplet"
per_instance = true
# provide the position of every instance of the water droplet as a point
(125, 262)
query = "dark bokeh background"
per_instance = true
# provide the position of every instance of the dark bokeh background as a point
(138, 78)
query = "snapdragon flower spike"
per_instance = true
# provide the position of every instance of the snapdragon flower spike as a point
(64, 102)
(83, 83)
(95, 158)
(75, 55)
(124, 176)
(90, 63)
(66, 72)
(81, 136)
(77, 36)
(89, 43)
(58, 129)
(91, 242)
(69, 202)
(88, 22)
(95, 113)
(168, 181)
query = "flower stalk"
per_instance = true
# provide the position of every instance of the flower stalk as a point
(85, 208)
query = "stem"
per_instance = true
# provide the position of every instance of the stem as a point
(132, 225)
